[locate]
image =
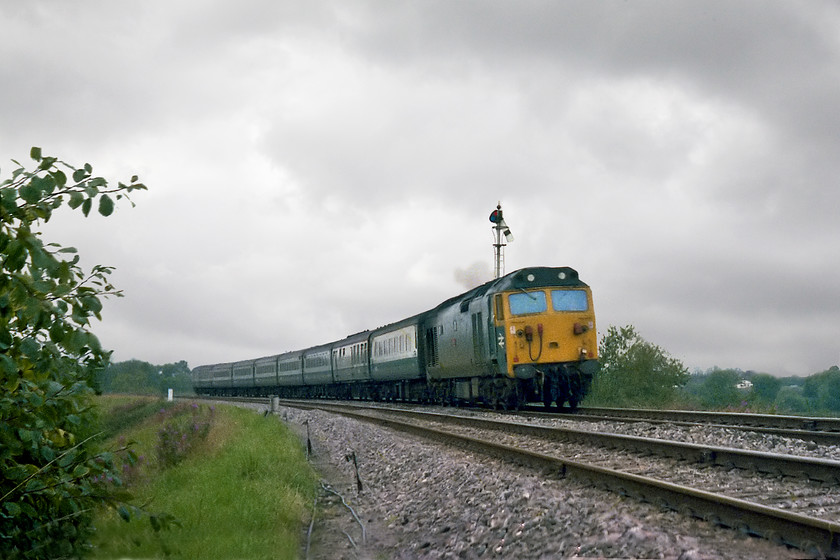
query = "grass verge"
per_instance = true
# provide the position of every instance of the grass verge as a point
(238, 484)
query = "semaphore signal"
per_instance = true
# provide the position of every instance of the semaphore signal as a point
(500, 228)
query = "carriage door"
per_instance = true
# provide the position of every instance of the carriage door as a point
(479, 355)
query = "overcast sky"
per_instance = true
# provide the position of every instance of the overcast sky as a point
(319, 168)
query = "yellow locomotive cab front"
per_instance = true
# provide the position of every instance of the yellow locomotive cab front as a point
(550, 337)
(547, 326)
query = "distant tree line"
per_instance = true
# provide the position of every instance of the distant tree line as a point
(817, 394)
(638, 373)
(142, 378)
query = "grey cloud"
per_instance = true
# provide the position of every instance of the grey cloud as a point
(336, 162)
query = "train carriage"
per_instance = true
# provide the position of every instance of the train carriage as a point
(265, 373)
(317, 367)
(350, 359)
(202, 378)
(220, 379)
(394, 352)
(396, 366)
(290, 369)
(243, 377)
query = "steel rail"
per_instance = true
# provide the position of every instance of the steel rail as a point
(810, 534)
(787, 422)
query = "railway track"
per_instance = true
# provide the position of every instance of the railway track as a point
(820, 430)
(822, 424)
(789, 500)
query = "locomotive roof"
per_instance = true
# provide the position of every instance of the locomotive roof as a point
(524, 278)
(539, 277)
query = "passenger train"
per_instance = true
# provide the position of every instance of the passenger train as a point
(528, 336)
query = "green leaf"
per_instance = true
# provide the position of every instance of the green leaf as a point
(91, 303)
(7, 365)
(57, 333)
(12, 509)
(67, 460)
(86, 206)
(30, 193)
(35, 485)
(12, 384)
(35, 153)
(60, 177)
(30, 347)
(35, 400)
(44, 184)
(106, 205)
(76, 200)
(47, 162)
(5, 338)
(79, 175)
(47, 453)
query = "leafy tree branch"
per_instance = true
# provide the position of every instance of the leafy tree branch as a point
(52, 474)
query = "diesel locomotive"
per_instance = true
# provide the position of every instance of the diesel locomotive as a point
(528, 336)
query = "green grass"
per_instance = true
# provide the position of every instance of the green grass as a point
(240, 492)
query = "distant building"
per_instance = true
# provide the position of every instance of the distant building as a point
(745, 384)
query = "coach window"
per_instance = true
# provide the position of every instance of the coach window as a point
(527, 302)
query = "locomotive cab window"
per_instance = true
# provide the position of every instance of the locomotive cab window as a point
(569, 300)
(524, 303)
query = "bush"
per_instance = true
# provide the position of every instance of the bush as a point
(634, 372)
(52, 474)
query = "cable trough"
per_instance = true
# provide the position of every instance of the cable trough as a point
(807, 532)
